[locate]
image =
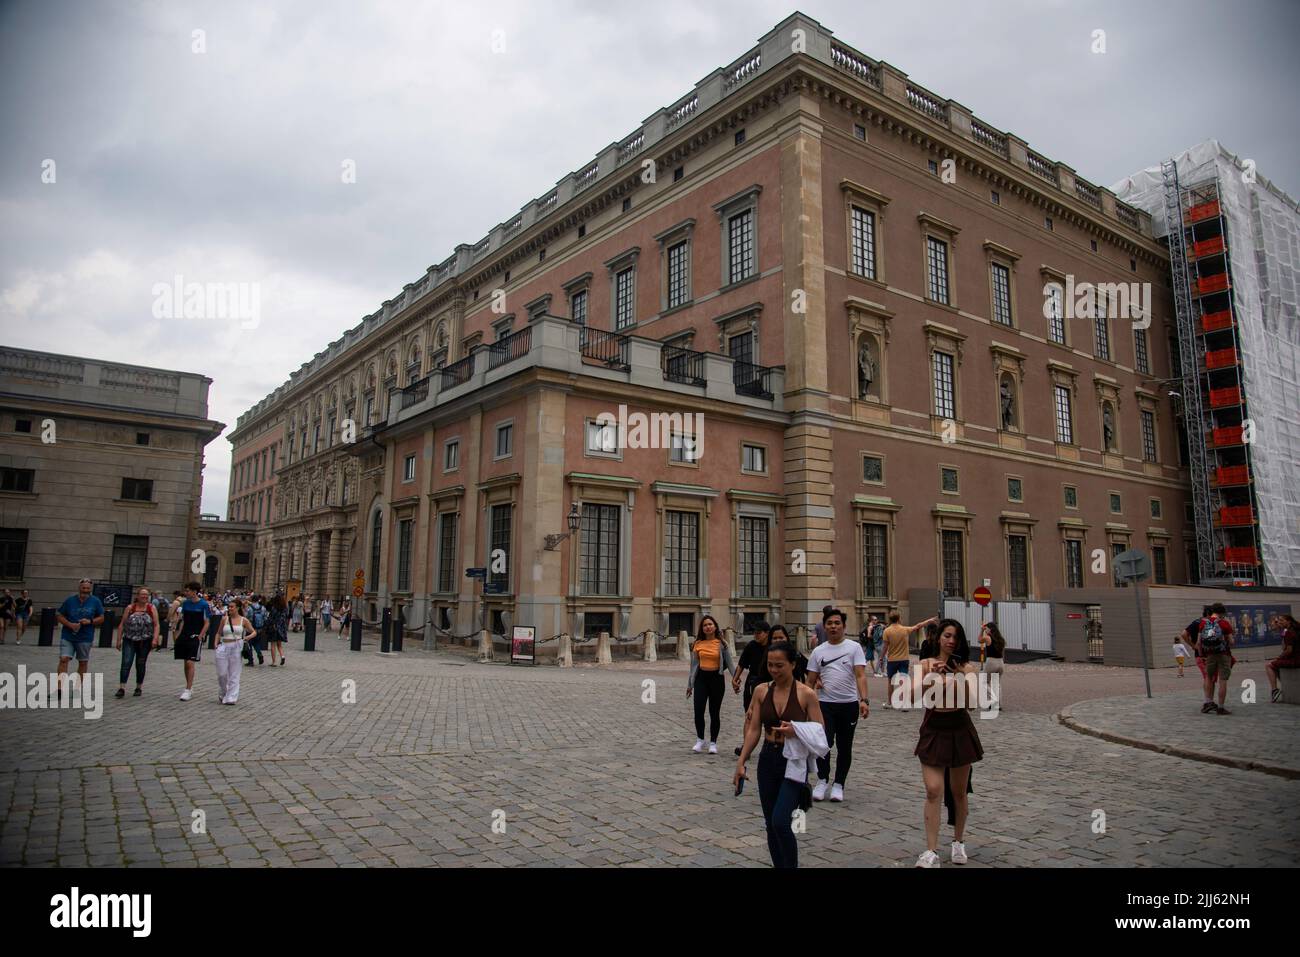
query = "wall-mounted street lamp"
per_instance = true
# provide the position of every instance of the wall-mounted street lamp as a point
(553, 541)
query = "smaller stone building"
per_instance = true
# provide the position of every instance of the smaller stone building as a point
(227, 553)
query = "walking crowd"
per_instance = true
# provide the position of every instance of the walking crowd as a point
(238, 626)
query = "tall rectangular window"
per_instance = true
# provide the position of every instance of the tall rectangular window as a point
(938, 268)
(1064, 421)
(1001, 280)
(1116, 549)
(404, 528)
(945, 396)
(578, 307)
(681, 553)
(505, 440)
(447, 551)
(1073, 563)
(679, 281)
(740, 252)
(1160, 568)
(741, 347)
(1056, 314)
(875, 560)
(600, 548)
(862, 241)
(408, 469)
(954, 572)
(500, 544)
(451, 456)
(624, 307)
(130, 555)
(753, 557)
(1143, 357)
(1148, 436)
(1018, 566)
(376, 542)
(13, 553)
(1102, 329)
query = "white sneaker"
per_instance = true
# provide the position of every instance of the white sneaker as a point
(819, 792)
(713, 747)
(928, 859)
(958, 852)
(837, 792)
(699, 746)
(185, 695)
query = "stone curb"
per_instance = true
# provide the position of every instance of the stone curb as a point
(1064, 717)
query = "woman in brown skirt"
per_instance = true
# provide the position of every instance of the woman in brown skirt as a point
(948, 740)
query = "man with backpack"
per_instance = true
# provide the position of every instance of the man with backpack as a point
(1212, 637)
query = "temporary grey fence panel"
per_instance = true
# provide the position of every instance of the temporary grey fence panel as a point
(971, 616)
(1026, 625)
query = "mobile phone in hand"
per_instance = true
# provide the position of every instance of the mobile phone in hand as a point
(740, 786)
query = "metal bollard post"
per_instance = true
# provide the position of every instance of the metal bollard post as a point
(309, 635)
(48, 625)
(385, 631)
(355, 644)
(106, 630)
(397, 631)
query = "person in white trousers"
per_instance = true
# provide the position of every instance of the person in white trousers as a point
(233, 631)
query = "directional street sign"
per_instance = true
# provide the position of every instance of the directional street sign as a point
(476, 573)
(1132, 565)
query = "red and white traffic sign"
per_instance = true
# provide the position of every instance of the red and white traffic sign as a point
(982, 596)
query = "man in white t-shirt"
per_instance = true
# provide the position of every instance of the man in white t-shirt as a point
(838, 670)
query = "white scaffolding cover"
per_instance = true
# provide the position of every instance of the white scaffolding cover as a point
(1264, 240)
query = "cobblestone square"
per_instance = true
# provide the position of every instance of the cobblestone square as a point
(576, 769)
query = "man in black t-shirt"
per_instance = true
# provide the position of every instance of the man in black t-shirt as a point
(753, 664)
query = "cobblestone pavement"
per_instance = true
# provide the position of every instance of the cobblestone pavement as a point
(575, 765)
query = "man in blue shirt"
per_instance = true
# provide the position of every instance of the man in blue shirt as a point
(79, 614)
(195, 620)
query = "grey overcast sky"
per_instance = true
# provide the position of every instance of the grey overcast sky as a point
(225, 166)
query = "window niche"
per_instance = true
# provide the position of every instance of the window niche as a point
(1009, 378)
(868, 328)
(1108, 412)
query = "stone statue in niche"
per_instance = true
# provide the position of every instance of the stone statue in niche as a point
(1008, 406)
(1108, 427)
(866, 368)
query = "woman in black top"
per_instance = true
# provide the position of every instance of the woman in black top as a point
(753, 664)
(992, 646)
(24, 613)
(6, 612)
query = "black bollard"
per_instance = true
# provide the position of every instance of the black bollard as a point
(164, 626)
(385, 631)
(356, 634)
(106, 630)
(48, 624)
(397, 632)
(309, 635)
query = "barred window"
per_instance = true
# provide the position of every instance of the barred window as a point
(862, 238)
(404, 528)
(1140, 351)
(500, 541)
(624, 308)
(376, 542)
(954, 572)
(1149, 436)
(447, 551)
(1116, 550)
(945, 399)
(1159, 566)
(1018, 566)
(130, 555)
(875, 560)
(1001, 279)
(600, 547)
(740, 235)
(753, 557)
(1073, 563)
(1056, 314)
(679, 282)
(578, 307)
(1102, 337)
(938, 257)
(681, 553)
(1064, 423)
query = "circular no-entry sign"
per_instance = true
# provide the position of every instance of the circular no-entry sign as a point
(982, 596)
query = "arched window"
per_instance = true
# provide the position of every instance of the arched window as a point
(376, 543)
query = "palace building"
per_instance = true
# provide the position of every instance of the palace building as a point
(922, 355)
